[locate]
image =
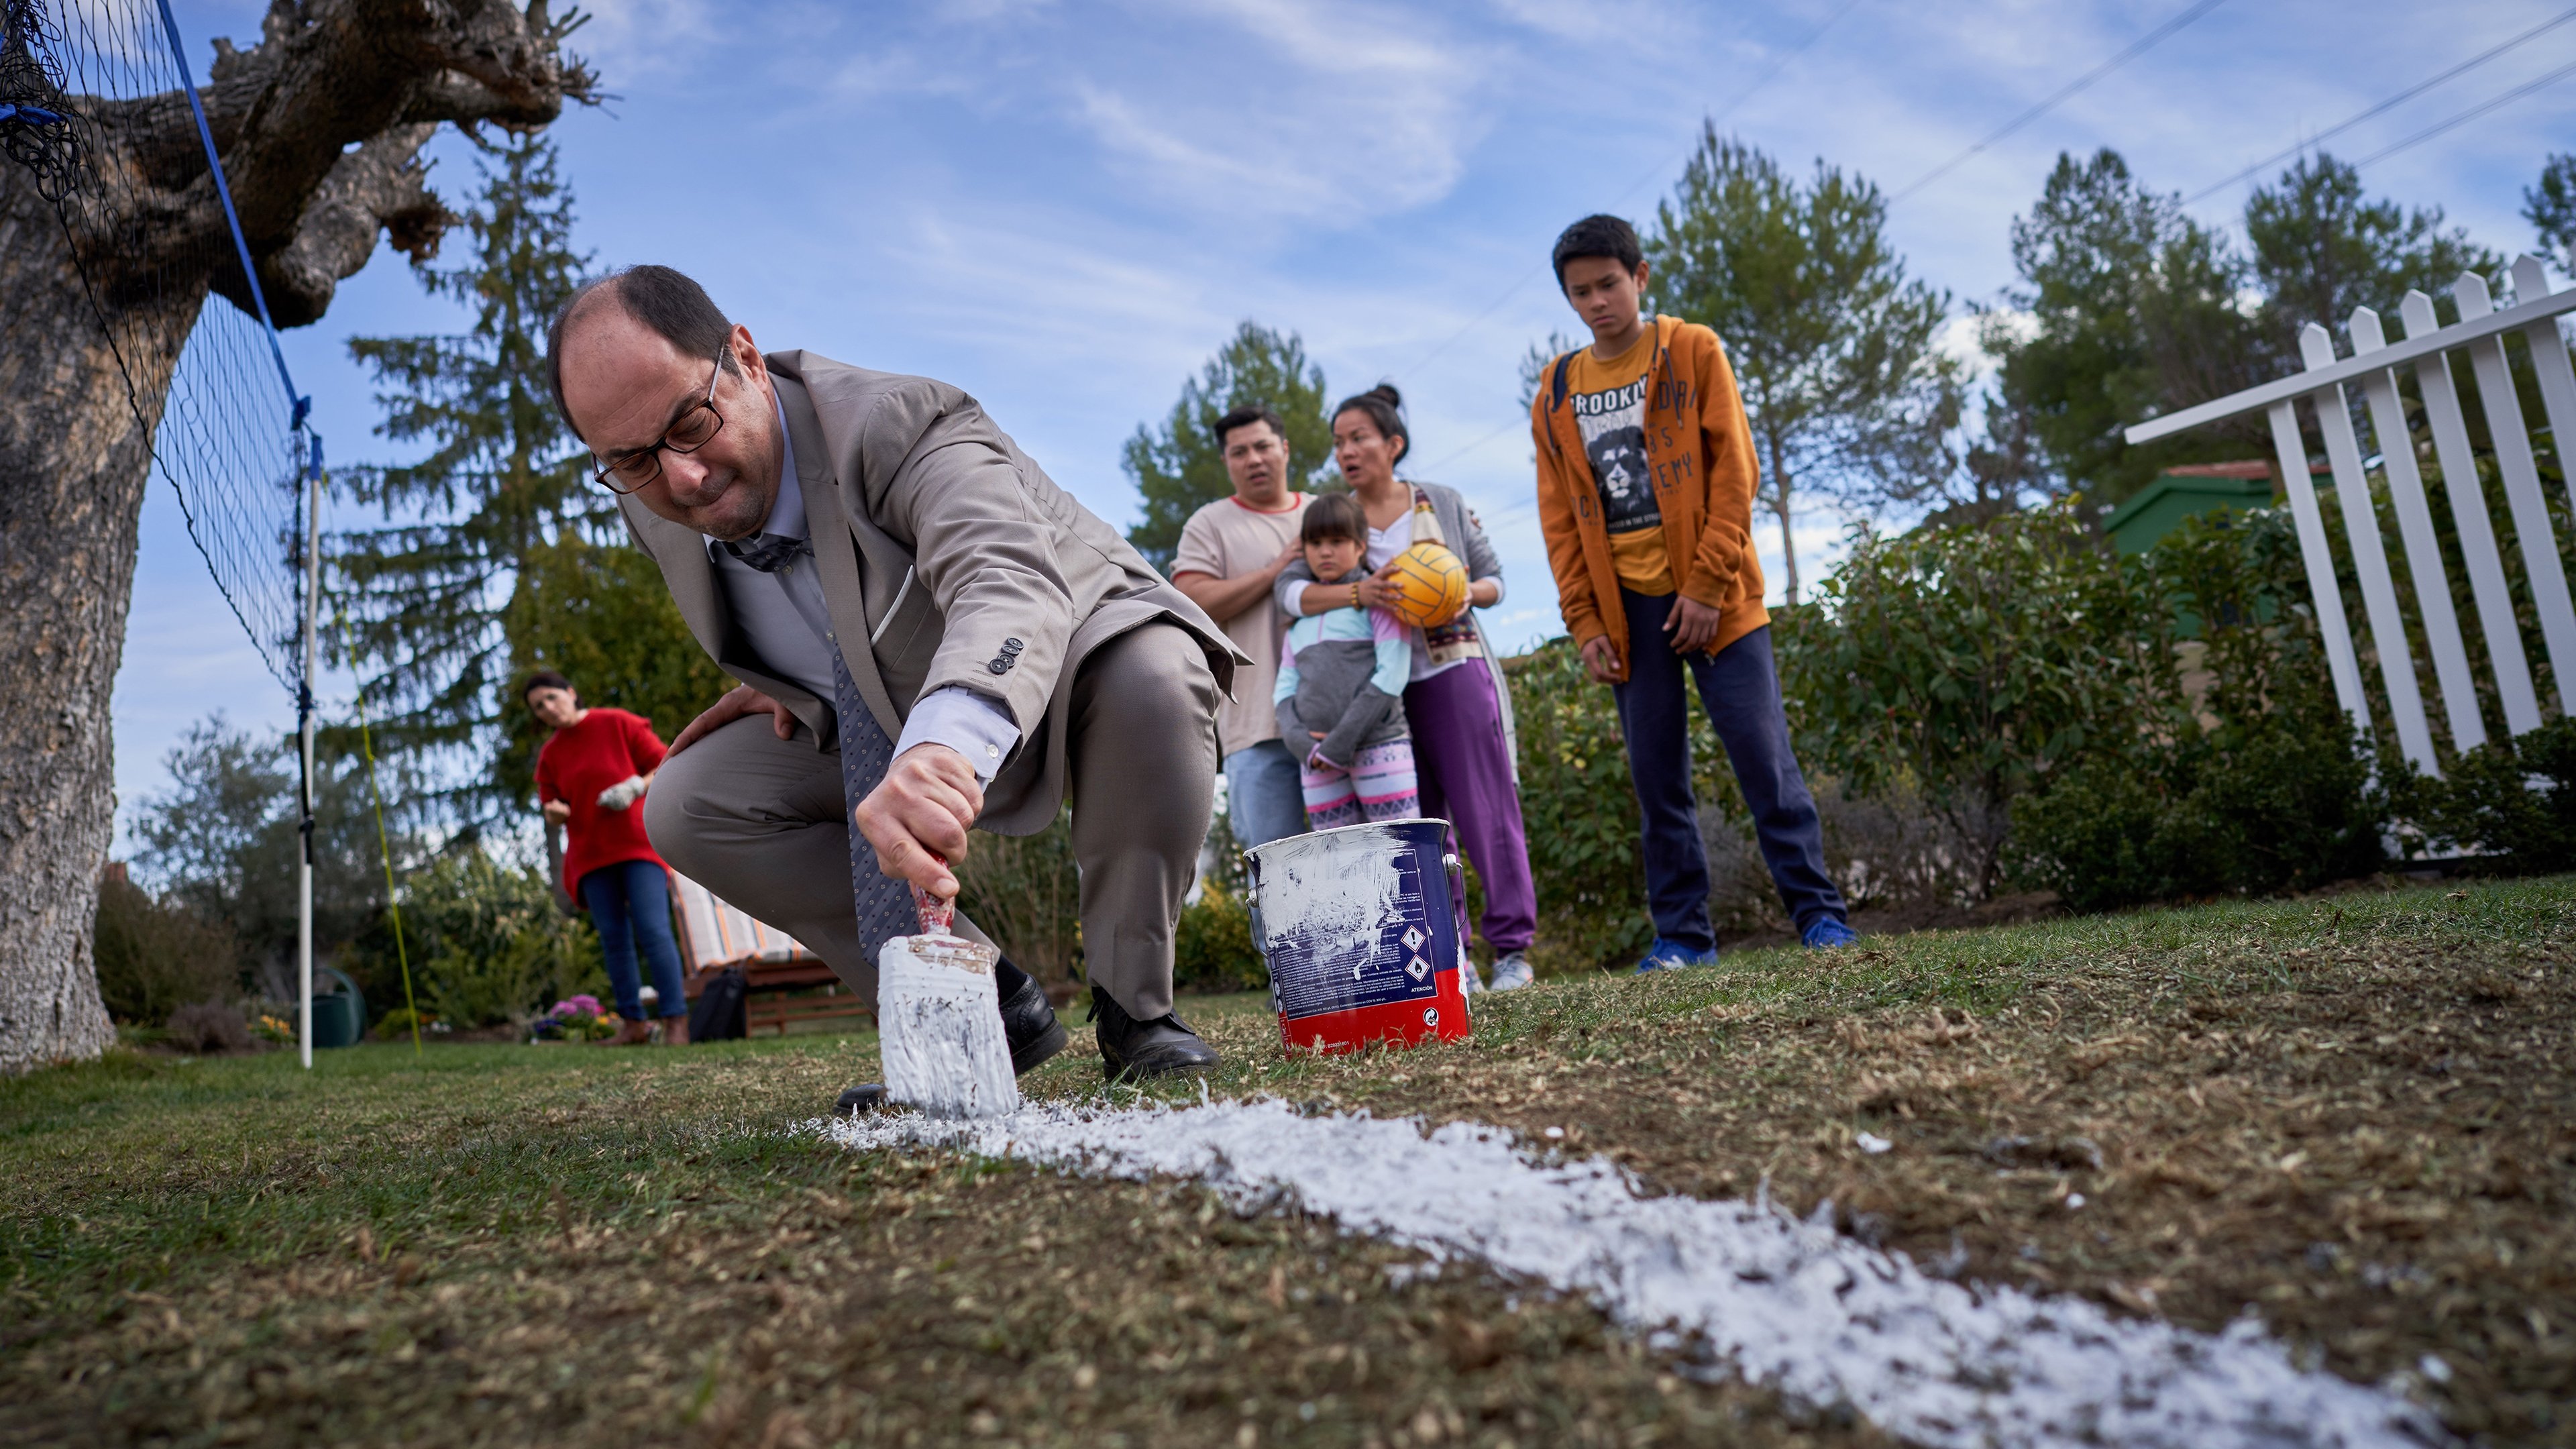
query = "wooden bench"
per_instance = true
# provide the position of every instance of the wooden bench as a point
(778, 969)
(773, 998)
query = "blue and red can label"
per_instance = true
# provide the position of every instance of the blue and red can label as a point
(1360, 929)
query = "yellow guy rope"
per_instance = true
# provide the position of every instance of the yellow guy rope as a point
(384, 843)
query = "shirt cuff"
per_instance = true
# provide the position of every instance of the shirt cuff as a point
(1498, 590)
(964, 721)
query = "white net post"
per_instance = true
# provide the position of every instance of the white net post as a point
(304, 856)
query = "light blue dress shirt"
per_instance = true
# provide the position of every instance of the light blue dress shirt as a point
(783, 618)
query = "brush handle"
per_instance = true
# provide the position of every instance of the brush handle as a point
(937, 913)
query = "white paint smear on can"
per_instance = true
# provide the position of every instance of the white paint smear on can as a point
(1787, 1303)
(1330, 893)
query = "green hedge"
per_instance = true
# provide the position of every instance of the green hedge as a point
(2004, 704)
(1212, 947)
(487, 943)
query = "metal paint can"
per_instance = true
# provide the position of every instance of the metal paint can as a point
(1360, 930)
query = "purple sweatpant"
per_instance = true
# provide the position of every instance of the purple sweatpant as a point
(1466, 777)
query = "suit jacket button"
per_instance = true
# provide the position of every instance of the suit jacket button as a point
(999, 666)
(1012, 646)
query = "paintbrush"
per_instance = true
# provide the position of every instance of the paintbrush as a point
(939, 1019)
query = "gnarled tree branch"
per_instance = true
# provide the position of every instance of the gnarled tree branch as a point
(381, 186)
(320, 126)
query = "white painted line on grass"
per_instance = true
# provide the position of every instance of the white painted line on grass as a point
(1790, 1304)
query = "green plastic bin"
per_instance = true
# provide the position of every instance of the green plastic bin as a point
(339, 1009)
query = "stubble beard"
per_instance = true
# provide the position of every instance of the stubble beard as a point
(757, 501)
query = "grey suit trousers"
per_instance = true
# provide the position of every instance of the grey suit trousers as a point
(761, 821)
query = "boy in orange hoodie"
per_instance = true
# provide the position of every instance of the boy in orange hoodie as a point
(1646, 477)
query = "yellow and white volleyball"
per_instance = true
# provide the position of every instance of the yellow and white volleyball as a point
(1430, 586)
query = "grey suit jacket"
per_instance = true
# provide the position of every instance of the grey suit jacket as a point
(949, 542)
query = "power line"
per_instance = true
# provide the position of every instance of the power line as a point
(2471, 114)
(2410, 93)
(2135, 48)
(1457, 453)
(1731, 107)
(1768, 76)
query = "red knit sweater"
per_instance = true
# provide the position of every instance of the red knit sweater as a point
(607, 746)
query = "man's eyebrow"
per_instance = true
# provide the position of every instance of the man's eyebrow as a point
(686, 403)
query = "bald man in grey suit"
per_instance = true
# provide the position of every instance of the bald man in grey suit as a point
(932, 636)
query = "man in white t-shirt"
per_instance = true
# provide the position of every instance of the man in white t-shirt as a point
(1230, 555)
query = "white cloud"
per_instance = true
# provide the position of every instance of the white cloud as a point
(629, 41)
(1634, 23)
(1322, 114)
(1962, 337)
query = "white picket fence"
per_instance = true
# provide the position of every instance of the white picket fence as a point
(2478, 339)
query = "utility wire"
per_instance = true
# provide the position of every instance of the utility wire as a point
(2410, 93)
(2471, 114)
(1731, 107)
(2135, 48)
(1457, 453)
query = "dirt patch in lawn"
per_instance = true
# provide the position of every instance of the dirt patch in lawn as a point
(916, 1300)
(2355, 1120)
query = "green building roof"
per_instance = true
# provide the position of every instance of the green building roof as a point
(2161, 506)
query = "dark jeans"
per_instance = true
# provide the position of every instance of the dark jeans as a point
(1742, 693)
(630, 905)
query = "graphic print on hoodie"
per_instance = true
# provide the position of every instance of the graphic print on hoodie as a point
(1609, 403)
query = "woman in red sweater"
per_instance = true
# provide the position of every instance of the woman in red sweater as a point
(591, 776)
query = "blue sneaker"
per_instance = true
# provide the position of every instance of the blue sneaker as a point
(1671, 955)
(1828, 933)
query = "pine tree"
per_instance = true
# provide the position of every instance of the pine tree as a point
(1179, 468)
(2550, 207)
(2126, 306)
(2321, 246)
(2129, 307)
(598, 613)
(444, 598)
(1831, 342)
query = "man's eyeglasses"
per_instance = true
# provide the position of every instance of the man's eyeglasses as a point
(691, 431)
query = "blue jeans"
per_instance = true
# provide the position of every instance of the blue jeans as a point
(1742, 692)
(1263, 799)
(630, 905)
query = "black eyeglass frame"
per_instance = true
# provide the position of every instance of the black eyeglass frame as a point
(605, 475)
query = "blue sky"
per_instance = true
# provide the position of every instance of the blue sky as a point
(1066, 208)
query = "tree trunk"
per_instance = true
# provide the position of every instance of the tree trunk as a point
(75, 456)
(72, 474)
(1788, 542)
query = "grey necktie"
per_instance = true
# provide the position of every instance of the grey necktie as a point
(884, 903)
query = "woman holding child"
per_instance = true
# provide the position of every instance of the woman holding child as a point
(1457, 713)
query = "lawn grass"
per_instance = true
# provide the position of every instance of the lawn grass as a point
(2353, 1116)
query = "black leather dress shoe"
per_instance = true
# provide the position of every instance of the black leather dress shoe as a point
(1029, 1024)
(1132, 1050)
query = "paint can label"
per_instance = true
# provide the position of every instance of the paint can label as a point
(1359, 928)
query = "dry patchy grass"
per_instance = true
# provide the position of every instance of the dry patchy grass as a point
(2352, 1116)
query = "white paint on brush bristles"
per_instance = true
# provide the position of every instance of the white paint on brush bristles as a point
(939, 1027)
(1786, 1303)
